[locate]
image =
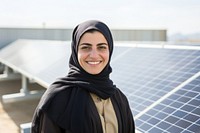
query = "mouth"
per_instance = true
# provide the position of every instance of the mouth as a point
(93, 62)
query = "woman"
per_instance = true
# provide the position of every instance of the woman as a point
(86, 100)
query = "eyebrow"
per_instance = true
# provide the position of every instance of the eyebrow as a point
(88, 44)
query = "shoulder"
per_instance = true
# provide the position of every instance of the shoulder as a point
(55, 95)
(120, 98)
(55, 100)
(120, 94)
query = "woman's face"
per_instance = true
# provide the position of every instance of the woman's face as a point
(93, 52)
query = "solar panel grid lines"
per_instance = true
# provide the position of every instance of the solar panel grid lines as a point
(148, 73)
(145, 125)
(118, 52)
(167, 72)
(162, 124)
(165, 96)
(180, 112)
(176, 119)
(137, 109)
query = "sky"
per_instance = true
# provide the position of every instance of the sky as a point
(176, 16)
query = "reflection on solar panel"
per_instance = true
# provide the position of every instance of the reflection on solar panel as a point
(146, 75)
(179, 113)
(37, 59)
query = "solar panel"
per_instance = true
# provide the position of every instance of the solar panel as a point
(56, 70)
(33, 58)
(180, 112)
(147, 74)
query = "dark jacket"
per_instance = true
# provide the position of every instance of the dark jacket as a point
(74, 111)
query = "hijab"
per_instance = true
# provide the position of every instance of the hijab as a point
(99, 84)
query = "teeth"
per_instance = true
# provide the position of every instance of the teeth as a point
(93, 63)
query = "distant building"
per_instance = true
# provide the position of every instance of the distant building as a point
(8, 35)
(139, 35)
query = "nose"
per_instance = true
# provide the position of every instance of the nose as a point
(94, 53)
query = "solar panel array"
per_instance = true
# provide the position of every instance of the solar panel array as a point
(145, 75)
(178, 113)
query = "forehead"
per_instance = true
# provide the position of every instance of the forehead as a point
(92, 37)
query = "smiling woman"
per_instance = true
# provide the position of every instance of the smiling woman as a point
(86, 100)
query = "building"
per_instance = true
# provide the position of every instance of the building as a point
(8, 35)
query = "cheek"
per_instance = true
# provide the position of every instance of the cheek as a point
(106, 57)
(79, 58)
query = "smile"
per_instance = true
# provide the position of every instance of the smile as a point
(93, 62)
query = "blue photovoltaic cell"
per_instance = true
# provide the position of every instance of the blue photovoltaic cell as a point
(178, 113)
(147, 74)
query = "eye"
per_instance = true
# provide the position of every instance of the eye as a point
(85, 48)
(103, 47)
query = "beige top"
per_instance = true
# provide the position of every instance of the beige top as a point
(106, 113)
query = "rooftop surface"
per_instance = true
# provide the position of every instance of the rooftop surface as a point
(14, 114)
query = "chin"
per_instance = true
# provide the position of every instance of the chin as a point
(94, 72)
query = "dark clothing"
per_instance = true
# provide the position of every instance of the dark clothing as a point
(61, 115)
(48, 126)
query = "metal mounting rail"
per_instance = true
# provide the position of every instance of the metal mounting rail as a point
(8, 74)
(24, 94)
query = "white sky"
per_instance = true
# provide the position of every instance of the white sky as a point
(174, 15)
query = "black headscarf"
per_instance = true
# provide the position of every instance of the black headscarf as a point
(67, 101)
(100, 84)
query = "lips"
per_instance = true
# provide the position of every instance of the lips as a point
(93, 62)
